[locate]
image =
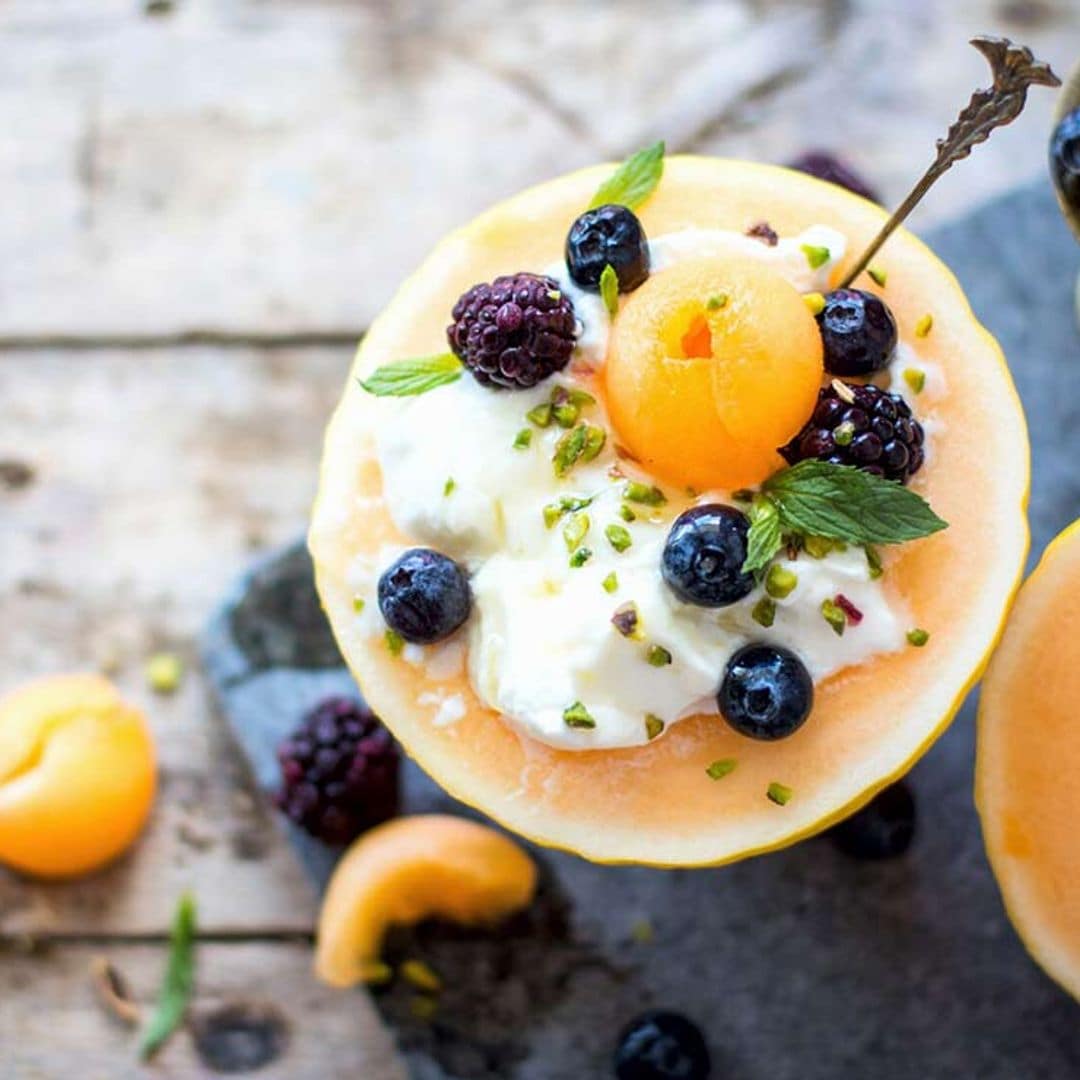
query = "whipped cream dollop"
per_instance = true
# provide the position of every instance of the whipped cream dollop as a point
(540, 636)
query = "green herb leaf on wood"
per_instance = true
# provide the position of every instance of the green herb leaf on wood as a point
(178, 983)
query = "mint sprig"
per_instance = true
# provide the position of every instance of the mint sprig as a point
(838, 502)
(416, 375)
(178, 983)
(634, 180)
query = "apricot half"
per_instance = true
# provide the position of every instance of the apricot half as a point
(712, 365)
(77, 775)
(411, 869)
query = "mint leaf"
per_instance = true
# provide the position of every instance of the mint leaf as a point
(844, 503)
(417, 375)
(634, 180)
(765, 537)
(609, 290)
(178, 983)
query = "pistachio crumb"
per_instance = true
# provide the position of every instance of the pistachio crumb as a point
(448, 487)
(815, 301)
(164, 673)
(580, 558)
(523, 439)
(873, 562)
(541, 415)
(575, 530)
(644, 494)
(877, 275)
(358, 604)
(577, 716)
(611, 582)
(915, 378)
(642, 932)
(780, 582)
(715, 303)
(816, 255)
(626, 513)
(834, 615)
(618, 537)
(918, 637)
(844, 434)
(817, 547)
(654, 726)
(658, 656)
(394, 642)
(719, 769)
(924, 325)
(779, 793)
(552, 513)
(421, 975)
(764, 612)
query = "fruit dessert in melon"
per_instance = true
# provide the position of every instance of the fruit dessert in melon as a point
(632, 522)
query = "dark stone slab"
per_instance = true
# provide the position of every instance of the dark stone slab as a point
(801, 965)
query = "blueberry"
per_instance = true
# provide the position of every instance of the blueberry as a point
(424, 596)
(661, 1046)
(882, 829)
(607, 235)
(1065, 158)
(704, 555)
(766, 693)
(858, 332)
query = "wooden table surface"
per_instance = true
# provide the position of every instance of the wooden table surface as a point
(202, 210)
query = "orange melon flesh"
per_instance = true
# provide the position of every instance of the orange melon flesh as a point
(654, 804)
(1028, 767)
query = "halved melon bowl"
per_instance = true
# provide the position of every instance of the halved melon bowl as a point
(654, 803)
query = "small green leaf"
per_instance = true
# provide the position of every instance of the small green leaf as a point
(654, 726)
(523, 439)
(178, 983)
(765, 537)
(840, 502)
(634, 180)
(618, 537)
(779, 793)
(609, 290)
(643, 494)
(816, 255)
(417, 375)
(577, 716)
(719, 769)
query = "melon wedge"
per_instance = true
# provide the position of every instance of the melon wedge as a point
(654, 804)
(1028, 763)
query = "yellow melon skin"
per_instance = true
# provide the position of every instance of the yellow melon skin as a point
(1027, 777)
(654, 804)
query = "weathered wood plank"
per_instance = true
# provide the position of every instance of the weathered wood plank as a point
(148, 478)
(52, 1022)
(245, 167)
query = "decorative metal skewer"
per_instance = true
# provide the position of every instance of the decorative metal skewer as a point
(1014, 70)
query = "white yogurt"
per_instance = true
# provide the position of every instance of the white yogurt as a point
(540, 636)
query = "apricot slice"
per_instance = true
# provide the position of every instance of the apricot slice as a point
(414, 868)
(77, 775)
(712, 365)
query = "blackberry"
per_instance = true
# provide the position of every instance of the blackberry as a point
(661, 1045)
(827, 166)
(513, 332)
(766, 692)
(874, 431)
(339, 772)
(1065, 159)
(424, 596)
(858, 332)
(609, 235)
(883, 829)
(704, 554)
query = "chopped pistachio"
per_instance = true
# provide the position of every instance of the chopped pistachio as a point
(627, 620)
(569, 449)
(658, 656)
(654, 726)
(523, 439)
(574, 531)
(873, 562)
(877, 275)
(618, 537)
(577, 716)
(815, 301)
(642, 932)
(626, 513)
(580, 558)
(715, 303)
(719, 769)
(552, 513)
(541, 416)
(358, 604)
(918, 637)
(566, 415)
(420, 975)
(376, 973)
(915, 378)
(611, 582)
(645, 494)
(554, 294)
(595, 437)
(834, 615)
(764, 613)
(780, 582)
(394, 642)
(448, 487)
(844, 433)
(779, 793)
(924, 325)
(164, 673)
(816, 255)
(817, 547)
(580, 398)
